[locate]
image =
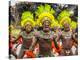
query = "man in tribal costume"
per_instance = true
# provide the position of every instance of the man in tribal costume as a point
(66, 36)
(45, 36)
(27, 36)
(66, 39)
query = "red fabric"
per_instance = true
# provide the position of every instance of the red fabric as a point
(59, 49)
(10, 45)
(53, 47)
(29, 54)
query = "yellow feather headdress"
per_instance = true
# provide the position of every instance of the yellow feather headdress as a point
(27, 17)
(64, 16)
(55, 24)
(44, 11)
(73, 25)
